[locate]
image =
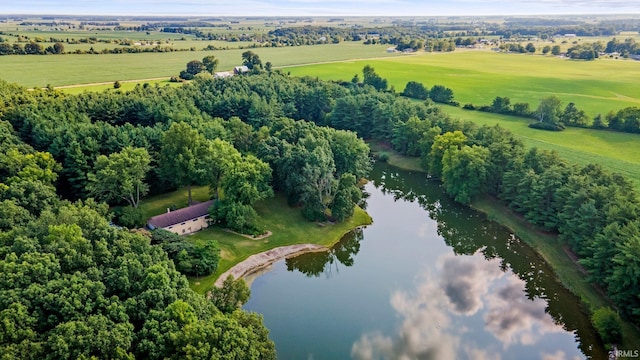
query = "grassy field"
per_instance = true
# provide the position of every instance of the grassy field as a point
(57, 70)
(478, 76)
(286, 223)
(618, 152)
(125, 86)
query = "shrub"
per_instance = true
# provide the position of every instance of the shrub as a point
(129, 217)
(383, 156)
(607, 324)
(546, 126)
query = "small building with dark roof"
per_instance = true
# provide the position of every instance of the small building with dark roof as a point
(183, 221)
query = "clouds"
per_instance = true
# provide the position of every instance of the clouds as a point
(435, 314)
(320, 8)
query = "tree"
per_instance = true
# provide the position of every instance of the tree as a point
(117, 85)
(464, 172)
(346, 197)
(556, 50)
(441, 94)
(573, 116)
(440, 145)
(624, 279)
(371, 78)
(546, 49)
(530, 48)
(317, 182)
(210, 63)
(32, 48)
(194, 67)
(501, 105)
(231, 296)
(550, 110)
(521, 109)
(193, 258)
(184, 156)
(245, 181)
(251, 60)
(58, 48)
(607, 323)
(120, 176)
(416, 90)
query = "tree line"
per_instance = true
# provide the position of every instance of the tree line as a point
(550, 114)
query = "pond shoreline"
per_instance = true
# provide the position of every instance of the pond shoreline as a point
(569, 273)
(264, 259)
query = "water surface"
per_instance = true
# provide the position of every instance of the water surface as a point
(429, 279)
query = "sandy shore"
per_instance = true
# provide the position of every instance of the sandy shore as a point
(264, 259)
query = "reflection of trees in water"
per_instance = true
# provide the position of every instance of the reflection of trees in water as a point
(314, 264)
(464, 231)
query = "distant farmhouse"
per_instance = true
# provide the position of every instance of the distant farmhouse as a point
(183, 221)
(238, 70)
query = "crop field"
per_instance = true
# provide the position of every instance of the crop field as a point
(478, 76)
(57, 70)
(618, 152)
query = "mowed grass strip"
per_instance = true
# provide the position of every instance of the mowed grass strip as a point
(478, 76)
(286, 223)
(125, 86)
(58, 70)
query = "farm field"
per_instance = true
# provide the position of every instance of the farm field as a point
(618, 152)
(478, 76)
(58, 70)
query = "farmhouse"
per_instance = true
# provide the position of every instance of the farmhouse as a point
(240, 70)
(183, 221)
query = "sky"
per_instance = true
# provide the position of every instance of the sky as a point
(319, 7)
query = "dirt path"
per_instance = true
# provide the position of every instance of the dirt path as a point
(259, 261)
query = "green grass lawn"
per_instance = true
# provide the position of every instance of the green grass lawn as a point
(57, 70)
(288, 228)
(286, 223)
(617, 152)
(478, 76)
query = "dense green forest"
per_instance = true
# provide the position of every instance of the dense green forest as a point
(65, 272)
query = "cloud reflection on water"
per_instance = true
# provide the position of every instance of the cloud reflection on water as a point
(433, 315)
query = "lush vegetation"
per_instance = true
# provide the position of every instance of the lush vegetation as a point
(478, 77)
(73, 286)
(245, 137)
(67, 271)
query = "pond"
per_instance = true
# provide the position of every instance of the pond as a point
(429, 279)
